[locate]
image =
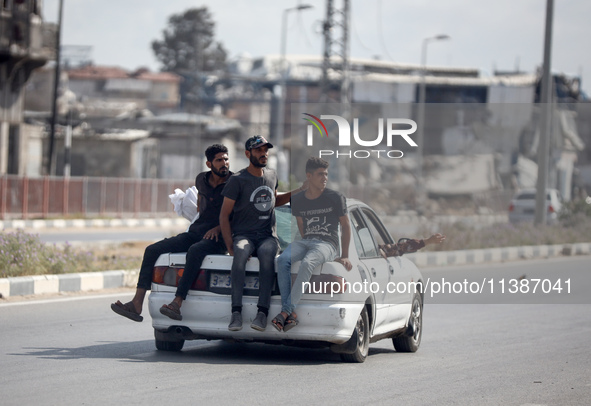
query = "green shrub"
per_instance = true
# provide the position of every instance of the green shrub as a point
(573, 228)
(25, 254)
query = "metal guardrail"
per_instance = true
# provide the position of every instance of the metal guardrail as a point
(46, 197)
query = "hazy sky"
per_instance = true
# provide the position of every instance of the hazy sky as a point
(485, 34)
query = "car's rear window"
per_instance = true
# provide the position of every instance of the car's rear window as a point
(530, 196)
(287, 228)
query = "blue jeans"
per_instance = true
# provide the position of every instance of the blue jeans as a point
(312, 253)
(266, 249)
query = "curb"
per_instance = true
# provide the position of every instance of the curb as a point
(466, 257)
(80, 223)
(74, 282)
(40, 284)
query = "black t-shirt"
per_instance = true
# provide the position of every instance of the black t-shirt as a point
(210, 204)
(254, 196)
(320, 215)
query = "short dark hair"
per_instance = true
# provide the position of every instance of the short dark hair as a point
(213, 150)
(315, 163)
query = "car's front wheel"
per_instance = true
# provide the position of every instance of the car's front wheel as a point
(411, 341)
(163, 342)
(361, 337)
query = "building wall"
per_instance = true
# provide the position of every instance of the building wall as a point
(22, 49)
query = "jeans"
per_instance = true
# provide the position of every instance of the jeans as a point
(312, 253)
(191, 242)
(266, 250)
(195, 256)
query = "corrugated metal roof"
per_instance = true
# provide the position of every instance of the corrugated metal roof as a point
(510, 80)
(114, 72)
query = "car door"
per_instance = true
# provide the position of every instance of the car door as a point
(373, 269)
(396, 295)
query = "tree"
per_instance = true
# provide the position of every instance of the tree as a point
(188, 44)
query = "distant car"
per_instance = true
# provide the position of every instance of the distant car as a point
(345, 320)
(523, 206)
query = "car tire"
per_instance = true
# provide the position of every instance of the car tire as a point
(411, 340)
(361, 336)
(162, 344)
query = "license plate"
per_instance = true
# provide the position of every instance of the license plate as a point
(218, 280)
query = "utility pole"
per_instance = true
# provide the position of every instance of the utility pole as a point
(545, 120)
(336, 51)
(51, 161)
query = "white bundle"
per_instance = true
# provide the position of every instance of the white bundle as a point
(185, 203)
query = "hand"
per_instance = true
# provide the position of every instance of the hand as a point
(304, 186)
(389, 250)
(212, 234)
(345, 262)
(435, 239)
(230, 251)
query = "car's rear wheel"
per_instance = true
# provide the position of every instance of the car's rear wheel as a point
(361, 337)
(163, 343)
(411, 340)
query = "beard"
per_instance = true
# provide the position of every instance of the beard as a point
(222, 172)
(256, 162)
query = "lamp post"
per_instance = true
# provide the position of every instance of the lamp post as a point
(51, 159)
(545, 121)
(282, 170)
(421, 113)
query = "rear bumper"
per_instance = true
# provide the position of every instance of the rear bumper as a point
(207, 316)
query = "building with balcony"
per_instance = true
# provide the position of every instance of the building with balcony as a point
(24, 46)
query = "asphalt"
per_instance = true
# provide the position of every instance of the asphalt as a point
(94, 281)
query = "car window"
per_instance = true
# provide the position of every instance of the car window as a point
(376, 227)
(355, 227)
(364, 242)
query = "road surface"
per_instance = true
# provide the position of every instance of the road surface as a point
(75, 351)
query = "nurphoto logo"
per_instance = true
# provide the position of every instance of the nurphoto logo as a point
(395, 127)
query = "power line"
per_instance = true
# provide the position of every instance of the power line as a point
(380, 31)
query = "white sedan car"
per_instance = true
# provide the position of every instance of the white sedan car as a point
(381, 297)
(523, 206)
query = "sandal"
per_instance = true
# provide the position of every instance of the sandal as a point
(279, 321)
(171, 310)
(290, 323)
(126, 310)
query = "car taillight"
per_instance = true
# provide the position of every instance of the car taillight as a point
(201, 281)
(165, 275)
(158, 274)
(511, 207)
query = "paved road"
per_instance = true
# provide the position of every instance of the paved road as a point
(76, 351)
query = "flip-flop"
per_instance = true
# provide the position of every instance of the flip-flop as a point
(126, 310)
(278, 322)
(171, 310)
(290, 323)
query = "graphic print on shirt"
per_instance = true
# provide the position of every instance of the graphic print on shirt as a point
(263, 200)
(316, 222)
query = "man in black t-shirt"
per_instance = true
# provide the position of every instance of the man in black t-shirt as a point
(251, 194)
(201, 239)
(319, 212)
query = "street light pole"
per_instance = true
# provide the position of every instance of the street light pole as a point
(282, 171)
(545, 120)
(51, 160)
(421, 113)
